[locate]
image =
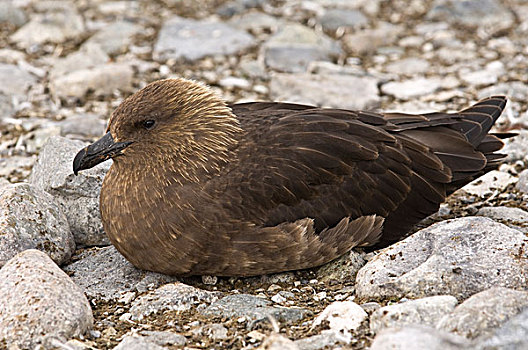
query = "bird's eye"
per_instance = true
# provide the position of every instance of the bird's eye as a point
(148, 124)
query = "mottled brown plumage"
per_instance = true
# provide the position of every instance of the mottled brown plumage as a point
(199, 187)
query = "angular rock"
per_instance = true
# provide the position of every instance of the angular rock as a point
(328, 90)
(11, 14)
(254, 309)
(277, 342)
(413, 88)
(164, 338)
(101, 80)
(483, 312)
(115, 38)
(78, 195)
(457, 257)
(418, 338)
(490, 14)
(214, 331)
(88, 56)
(57, 25)
(181, 38)
(31, 219)
(255, 22)
(516, 148)
(85, 125)
(105, 274)
(170, 297)
(486, 184)
(342, 317)
(294, 46)
(426, 312)
(408, 66)
(343, 269)
(137, 343)
(19, 80)
(511, 336)
(334, 19)
(39, 301)
(522, 184)
(326, 339)
(367, 41)
(513, 217)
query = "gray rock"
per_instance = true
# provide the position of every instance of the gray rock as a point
(214, 331)
(11, 14)
(88, 56)
(409, 89)
(408, 66)
(231, 8)
(522, 184)
(487, 76)
(516, 148)
(486, 184)
(516, 90)
(105, 274)
(457, 257)
(164, 338)
(78, 195)
(513, 217)
(57, 25)
(334, 19)
(136, 343)
(511, 336)
(253, 309)
(11, 56)
(101, 80)
(256, 22)
(328, 90)
(31, 219)
(170, 297)
(343, 269)
(367, 41)
(86, 125)
(426, 312)
(115, 38)
(181, 38)
(418, 338)
(19, 80)
(326, 339)
(490, 14)
(483, 312)
(39, 301)
(7, 110)
(294, 46)
(36, 139)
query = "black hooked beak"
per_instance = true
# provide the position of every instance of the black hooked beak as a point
(98, 152)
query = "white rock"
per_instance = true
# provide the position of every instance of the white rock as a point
(494, 180)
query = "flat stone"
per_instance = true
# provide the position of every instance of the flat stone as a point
(483, 312)
(115, 38)
(254, 309)
(276, 341)
(511, 336)
(130, 342)
(78, 195)
(164, 338)
(85, 125)
(105, 274)
(11, 14)
(513, 217)
(418, 338)
(408, 66)
(342, 317)
(256, 22)
(516, 148)
(343, 269)
(487, 76)
(214, 331)
(457, 257)
(181, 38)
(88, 56)
(327, 90)
(367, 41)
(101, 80)
(294, 46)
(408, 89)
(333, 19)
(19, 80)
(55, 26)
(327, 338)
(39, 302)
(486, 184)
(516, 90)
(426, 312)
(490, 14)
(31, 219)
(170, 297)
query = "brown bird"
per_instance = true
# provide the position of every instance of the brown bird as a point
(200, 187)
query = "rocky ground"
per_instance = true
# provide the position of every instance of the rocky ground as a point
(65, 65)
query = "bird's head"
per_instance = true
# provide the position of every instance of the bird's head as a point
(168, 120)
